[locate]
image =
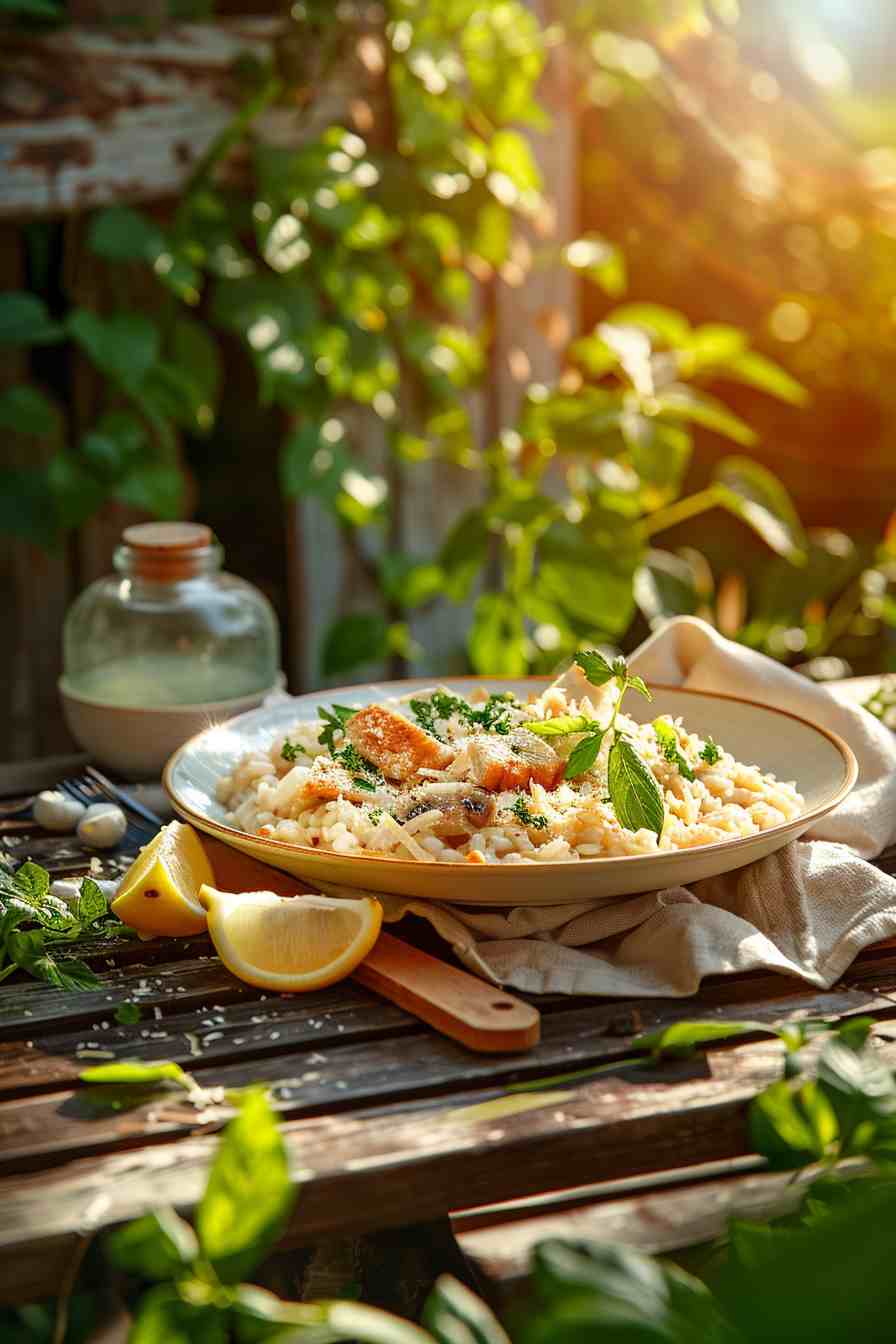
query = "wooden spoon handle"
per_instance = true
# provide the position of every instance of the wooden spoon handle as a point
(451, 1000)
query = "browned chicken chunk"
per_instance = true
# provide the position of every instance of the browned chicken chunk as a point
(395, 745)
(329, 779)
(513, 761)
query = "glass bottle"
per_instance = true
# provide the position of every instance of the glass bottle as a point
(169, 627)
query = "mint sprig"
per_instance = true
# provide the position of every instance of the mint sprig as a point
(634, 792)
(335, 718)
(25, 899)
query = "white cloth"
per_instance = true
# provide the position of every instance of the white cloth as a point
(806, 910)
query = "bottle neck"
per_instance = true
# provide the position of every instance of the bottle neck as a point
(168, 565)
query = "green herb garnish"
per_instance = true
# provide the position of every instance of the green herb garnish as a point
(667, 740)
(25, 899)
(521, 811)
(710, 753)
(376, 816)
(364, 773)
(127, 1013)
(290, 751)
(492, 717)
(335, 718)
(634, 793)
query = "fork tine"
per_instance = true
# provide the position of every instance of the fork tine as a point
(120, 796)
(80, 789)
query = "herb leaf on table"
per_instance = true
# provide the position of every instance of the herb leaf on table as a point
(26, 899)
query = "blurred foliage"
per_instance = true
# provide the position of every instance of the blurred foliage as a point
(346, 270)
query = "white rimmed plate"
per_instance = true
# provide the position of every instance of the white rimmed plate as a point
(787, 746)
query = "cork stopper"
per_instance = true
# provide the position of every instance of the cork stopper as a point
(165, 552)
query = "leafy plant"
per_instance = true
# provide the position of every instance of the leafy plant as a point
(345, 270)
(25, 901)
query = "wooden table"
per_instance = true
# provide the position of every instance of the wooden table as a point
(383, 1117)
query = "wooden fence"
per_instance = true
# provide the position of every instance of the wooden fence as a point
(89, 117)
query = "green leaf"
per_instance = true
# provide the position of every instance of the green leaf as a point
(684, 403)
(156, 1246)
(854, 1032)
(660, 455)
(664, 586)
(249, 1195)
(860, 1090)
(370, 1325)
(497, 639)
(33, 882)
(753, 494)
(562, 725)
(491, 236)
(682, 1038)
(792, 1125)
(132, 1071)
(463, 554)
(665, 325)
(124, 346)
(24, 320)
(408, 581)
(639, 685)
(122, 234)
(511, 155)
(164, 1317)
(128, 1014)
(354, 640)
(601, 261)
(583, 755)
(589, 571)
(155, 487)
(92, 904)
(634, 792)
(757, 371)
(258, 1315)
(24, 410)
(595, 666)
(454, 1315)
(66, 973)
(32, 9)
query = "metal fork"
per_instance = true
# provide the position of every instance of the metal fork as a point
(93, 787)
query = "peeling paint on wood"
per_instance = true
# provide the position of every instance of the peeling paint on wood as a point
(88, 117)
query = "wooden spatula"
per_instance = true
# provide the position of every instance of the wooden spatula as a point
(452, 1001)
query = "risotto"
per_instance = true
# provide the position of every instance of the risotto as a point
(492, 779)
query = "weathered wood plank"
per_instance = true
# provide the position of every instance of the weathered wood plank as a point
(57, 1126)
(657, 1221)
(205, 1037)
(384, 1169)
(90, 116)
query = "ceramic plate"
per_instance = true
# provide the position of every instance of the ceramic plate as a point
(791, 748)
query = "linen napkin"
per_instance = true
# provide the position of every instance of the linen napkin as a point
(806, 910)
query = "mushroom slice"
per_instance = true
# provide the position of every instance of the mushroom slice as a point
(395, 745)
(460, 807)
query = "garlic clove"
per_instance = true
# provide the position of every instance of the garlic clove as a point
(102, 826)
(55, 811)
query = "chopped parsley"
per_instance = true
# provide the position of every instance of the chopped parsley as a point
(335, 718)
(667, 741)
(492, 717)
(290, 751)
(521, 811)
(710, 753)
(364, 773)
(375, 816)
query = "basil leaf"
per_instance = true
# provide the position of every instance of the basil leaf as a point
(595, 666)
(249, 1193)
(638, 684)
(562, 725)
(583, 755)
(634, 792)
(127, 1013)
(132, 1071)
(92, 904)
(33, 882)
(156, 1246)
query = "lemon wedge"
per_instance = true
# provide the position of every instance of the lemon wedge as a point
(159, 893)
(290, 943)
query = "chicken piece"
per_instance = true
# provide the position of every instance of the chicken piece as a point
(513, 761)
(395, 745)
(463, 808)
(327, 779)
